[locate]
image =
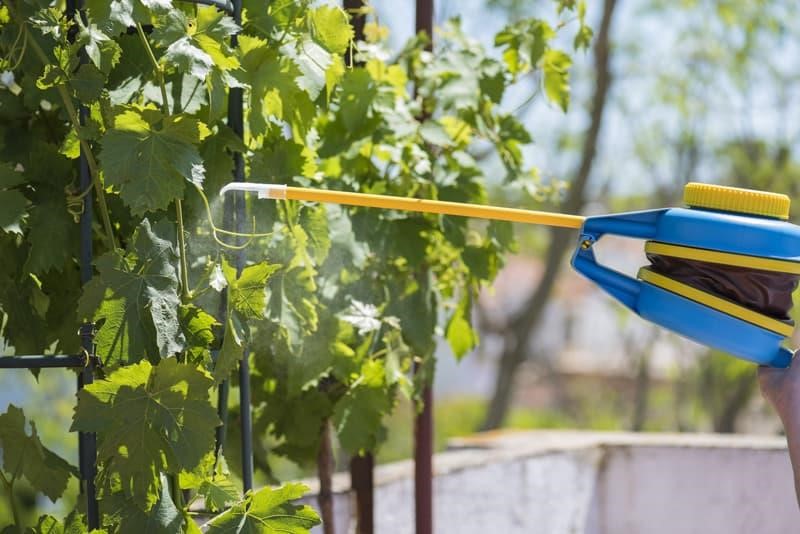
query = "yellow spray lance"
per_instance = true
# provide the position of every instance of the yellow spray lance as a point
(722, 274)
(283, 192)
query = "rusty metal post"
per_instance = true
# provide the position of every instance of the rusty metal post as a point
(362, 483)
(423, 424)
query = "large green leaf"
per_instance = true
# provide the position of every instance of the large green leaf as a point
(148, 420)
(268, 511)
(149, 157)
(136, 298)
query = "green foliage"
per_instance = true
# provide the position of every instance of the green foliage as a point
(24, 457)
(136, 301)
(332, 305)
(268, 510)
(148, 420)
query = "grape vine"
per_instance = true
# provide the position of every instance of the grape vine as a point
(334, 306)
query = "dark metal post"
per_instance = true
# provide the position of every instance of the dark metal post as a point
(423, 465)
(423, 424)
(236, 122)
(87, 441)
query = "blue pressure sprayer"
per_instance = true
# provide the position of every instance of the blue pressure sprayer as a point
(722, 269)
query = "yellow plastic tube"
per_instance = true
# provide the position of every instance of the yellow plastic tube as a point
(282, 192)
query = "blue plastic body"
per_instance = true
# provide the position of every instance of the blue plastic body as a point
(726, 232)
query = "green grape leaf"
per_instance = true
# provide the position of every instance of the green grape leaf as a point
(281, 160)
(129, 518)
(267, 511)
(315, 221)
(148, 419)
(358, 416)
(274, 93)
(247, 291)
(25, 456)
(555, 65)
(197, 46)
(213, 483)
(313, 61)
(358, 94)
(9, 176)
(215, 152)
(74, 523)
(115, 16)
(13, 208)
(232, 350)
(330, 27)
(101, 50)
(88, 83)
(246, 300)
(197, 327)
(52, 235)
(135, 295)
(459, 333)
(149, 156)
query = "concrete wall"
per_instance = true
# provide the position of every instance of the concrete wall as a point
(593, 483)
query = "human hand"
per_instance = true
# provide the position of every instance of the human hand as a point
(781, 387)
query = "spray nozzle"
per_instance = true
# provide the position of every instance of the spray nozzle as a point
(273, 191)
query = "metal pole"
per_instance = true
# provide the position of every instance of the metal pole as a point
(423, 425)
(87, 441)
(236, 123)
(42, 362)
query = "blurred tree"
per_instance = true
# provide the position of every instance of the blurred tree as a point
(515, 349)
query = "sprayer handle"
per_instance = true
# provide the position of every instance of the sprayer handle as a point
(639, 224)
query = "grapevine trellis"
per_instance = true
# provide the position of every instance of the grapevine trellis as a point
(526, 47)
(86, 362)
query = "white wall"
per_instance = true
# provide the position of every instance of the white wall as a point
(594, 483)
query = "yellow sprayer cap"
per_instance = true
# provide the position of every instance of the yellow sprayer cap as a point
(735, 199)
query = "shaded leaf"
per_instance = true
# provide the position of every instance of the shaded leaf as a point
(25, 456)
(136, 298)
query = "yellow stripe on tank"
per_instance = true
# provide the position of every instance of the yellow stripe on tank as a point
(724, 258)
(714, 302)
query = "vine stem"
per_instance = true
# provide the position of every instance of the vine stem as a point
(185, 292)
(159, 70)
(9, 484)
(76, 125)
